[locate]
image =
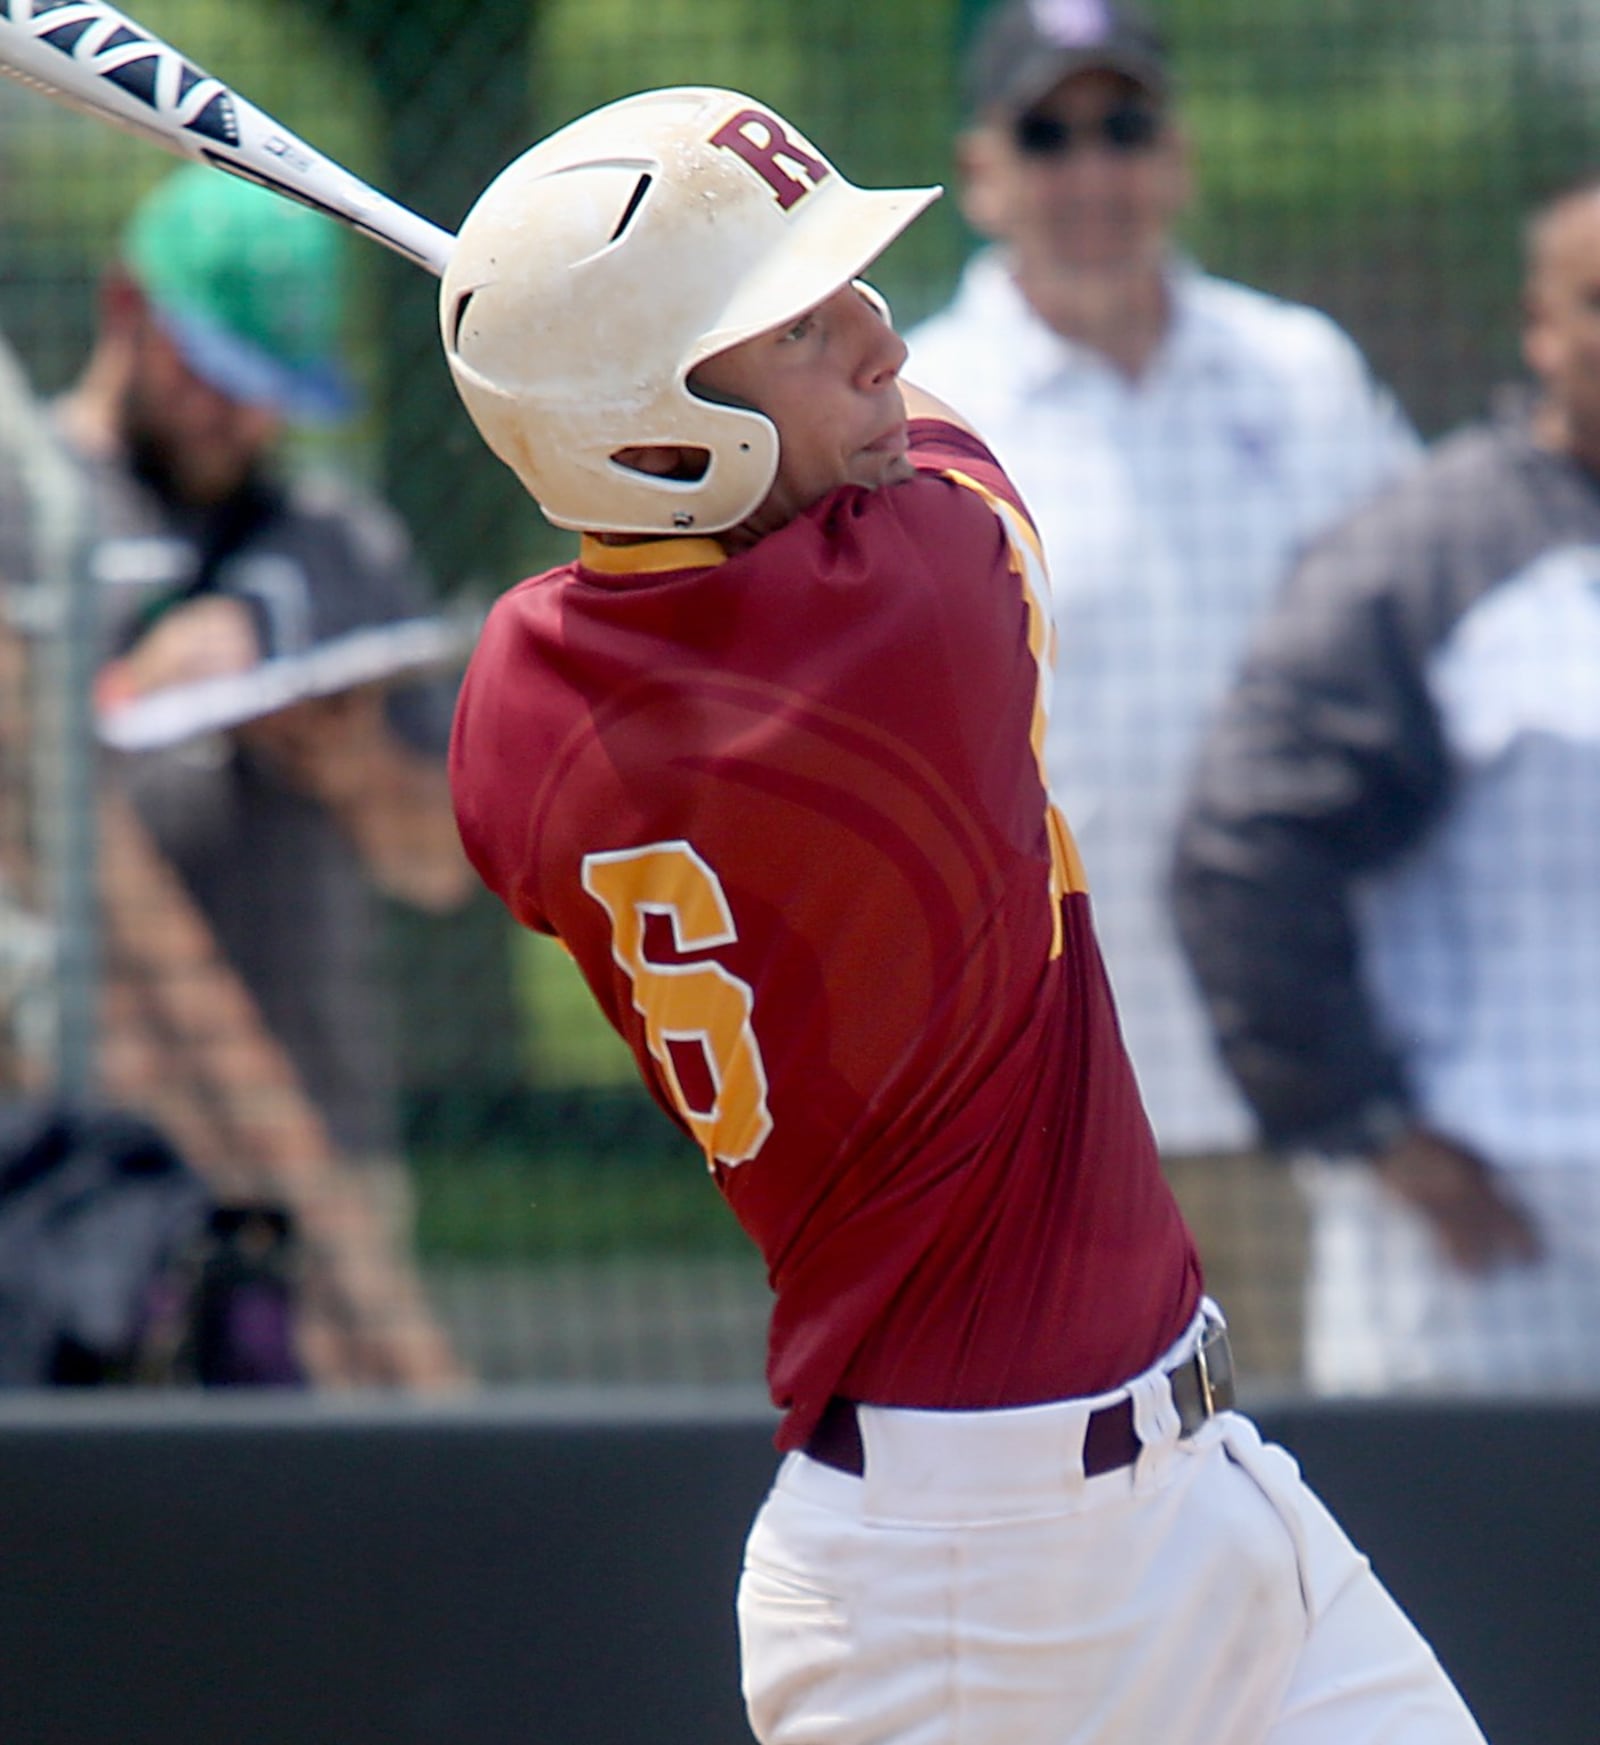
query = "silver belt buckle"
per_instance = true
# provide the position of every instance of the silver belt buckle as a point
(1213, 1362)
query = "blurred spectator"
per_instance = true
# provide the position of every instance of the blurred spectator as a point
(218, 327)
(1177, 439)
(177, 1039)
(1389, 883)
(34, 480)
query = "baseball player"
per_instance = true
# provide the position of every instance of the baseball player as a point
(766, 758)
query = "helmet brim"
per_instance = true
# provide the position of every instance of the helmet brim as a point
(843, 231)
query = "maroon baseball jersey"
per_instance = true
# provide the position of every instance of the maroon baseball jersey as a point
(785, 808)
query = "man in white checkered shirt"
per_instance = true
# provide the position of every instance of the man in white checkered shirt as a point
(1178, 439)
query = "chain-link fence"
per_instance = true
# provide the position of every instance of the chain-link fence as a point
(1372, 159)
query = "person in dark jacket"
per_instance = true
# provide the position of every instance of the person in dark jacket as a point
(1388, 883)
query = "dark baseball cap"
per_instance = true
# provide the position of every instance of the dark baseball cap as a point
(1025, 48)
(249, 286)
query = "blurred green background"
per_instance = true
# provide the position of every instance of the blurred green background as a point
(1372, 157)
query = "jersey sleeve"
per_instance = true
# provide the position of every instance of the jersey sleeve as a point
(950, 451)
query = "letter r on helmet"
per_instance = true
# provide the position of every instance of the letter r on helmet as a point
(761, 141)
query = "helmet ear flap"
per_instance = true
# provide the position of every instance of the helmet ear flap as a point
(743, 463)
(740, 462)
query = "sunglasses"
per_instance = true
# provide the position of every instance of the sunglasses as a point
(1129, 128)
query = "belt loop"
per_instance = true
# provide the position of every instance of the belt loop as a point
(1157, 1424)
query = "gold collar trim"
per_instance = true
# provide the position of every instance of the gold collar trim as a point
(649, 555)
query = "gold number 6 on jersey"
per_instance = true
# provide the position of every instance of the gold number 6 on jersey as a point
(695, 1004)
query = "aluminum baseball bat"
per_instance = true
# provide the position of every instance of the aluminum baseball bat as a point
(91, 57)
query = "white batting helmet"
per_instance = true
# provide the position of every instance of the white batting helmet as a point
(602, 265)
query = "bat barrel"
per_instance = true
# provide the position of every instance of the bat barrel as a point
(328, 188)
(92, 57)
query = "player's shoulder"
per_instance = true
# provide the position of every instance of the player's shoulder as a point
(960, 457)
(958, 512)
(516, 601)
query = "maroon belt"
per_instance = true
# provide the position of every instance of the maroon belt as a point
(1202, 1385)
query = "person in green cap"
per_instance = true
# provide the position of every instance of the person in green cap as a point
(219, 328)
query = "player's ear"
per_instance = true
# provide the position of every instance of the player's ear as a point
(982, 158)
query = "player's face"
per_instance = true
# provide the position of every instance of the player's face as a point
(196, 446)
(1562, 337)
(830, 383)
(1089, 179)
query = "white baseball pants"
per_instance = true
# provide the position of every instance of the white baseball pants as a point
(973, 1588)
